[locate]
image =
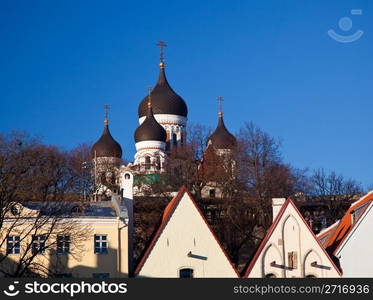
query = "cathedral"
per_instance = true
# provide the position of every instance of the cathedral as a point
(163, 116)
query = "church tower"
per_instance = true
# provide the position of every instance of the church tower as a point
(107, 156)
(221, 140)
(170, 110)
(150, 139)
(218, 163)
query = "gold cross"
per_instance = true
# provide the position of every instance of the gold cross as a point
(161, 45)
(106, 109)
(220, 99)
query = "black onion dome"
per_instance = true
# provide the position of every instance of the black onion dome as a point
(150, 129)
(106, 146)
(164, 99)
(221, 138)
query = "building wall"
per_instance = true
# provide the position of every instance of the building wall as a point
(186, 231)
(84, 264)
(359, 241)
(291, 235)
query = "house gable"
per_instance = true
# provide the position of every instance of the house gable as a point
(184, 240)
(290, 249)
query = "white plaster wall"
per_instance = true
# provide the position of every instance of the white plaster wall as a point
(167, 119)
(355, 253)
(291, 234)
(186, 231)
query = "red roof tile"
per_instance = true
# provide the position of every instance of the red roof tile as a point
(346, 224)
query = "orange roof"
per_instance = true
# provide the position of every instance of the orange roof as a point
(347, 223)
(273, 227)
(168, 211)
(325, 235)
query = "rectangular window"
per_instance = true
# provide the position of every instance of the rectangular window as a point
(13, 244)
(100, 275)
(292, 258)
(212, 193)
(101, 244)
(63, 244)
(38, 243)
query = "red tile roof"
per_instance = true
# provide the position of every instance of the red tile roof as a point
(325, 235)
(170, 208)
(273, 227)
(346, 224)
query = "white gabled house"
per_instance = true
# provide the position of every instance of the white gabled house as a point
(290, 248)
(351, 240)
(184, 245)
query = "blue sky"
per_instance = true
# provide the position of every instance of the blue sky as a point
(272, 61)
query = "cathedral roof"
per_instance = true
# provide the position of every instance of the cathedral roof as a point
(221, 138)
(150, 130)
(106, 146)
(164, 99)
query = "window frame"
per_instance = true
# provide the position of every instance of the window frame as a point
(15, 243)
(38, 244)
(98, 238)
(63, 245)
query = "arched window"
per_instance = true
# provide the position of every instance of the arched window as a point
(127, 176)
(174, 139)
(310, 276)
(270, 275)
(158, 163)
(147, 163)
(186, 273)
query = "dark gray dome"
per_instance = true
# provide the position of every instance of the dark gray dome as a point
(221, 138)
(164, 99)
(106, 146)
(150, 130)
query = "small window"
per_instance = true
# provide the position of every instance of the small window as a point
(63, 244)
(101, 244)
(186, 273)
(270, 275)
(13, 244)
(212, 193)
(147, 163)
(127, 176)
(38, 244)
(101, 275)
(292, 258)
(158, 163)
(174, 139)
(356, 213)
(15, 210)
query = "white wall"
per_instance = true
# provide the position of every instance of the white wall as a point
(186, 231)
(292, 234)
(355, 253)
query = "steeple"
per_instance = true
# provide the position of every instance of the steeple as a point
(106, 146)
(221, 138)
(165, 100)
(150, 129)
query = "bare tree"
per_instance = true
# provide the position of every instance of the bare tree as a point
(335, 191)
(36, 184)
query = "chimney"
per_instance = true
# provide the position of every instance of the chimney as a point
(276, 206)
